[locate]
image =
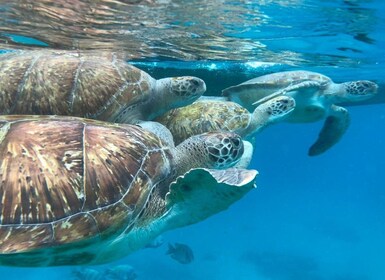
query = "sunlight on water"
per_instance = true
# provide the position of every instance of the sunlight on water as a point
(291, 32)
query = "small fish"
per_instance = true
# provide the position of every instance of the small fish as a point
(86, 273)
(120, 272)
(180, 252)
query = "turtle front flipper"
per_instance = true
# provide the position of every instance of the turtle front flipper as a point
(308, 85)
(336, 123)
(201, 193)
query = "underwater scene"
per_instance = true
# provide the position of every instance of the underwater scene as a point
(175, 139)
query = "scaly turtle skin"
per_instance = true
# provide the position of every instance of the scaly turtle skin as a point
(211, 114)
(79, 191)
(315, 96)
(88, 85)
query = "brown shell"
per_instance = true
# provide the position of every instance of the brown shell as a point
(205, 116)
(65, 179)
(70, 83)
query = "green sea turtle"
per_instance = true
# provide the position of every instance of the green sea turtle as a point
(79, 191)
(315, 96)
(92, 85)
(214, 114)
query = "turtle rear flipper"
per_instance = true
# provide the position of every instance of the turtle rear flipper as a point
(334, 127)
(200, 193)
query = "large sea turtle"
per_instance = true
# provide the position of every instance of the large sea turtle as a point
(92, 85)
(315, 96)
(214, 114)
(80, 191)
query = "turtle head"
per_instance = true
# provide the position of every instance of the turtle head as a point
(271, 111)
(224, 150)
(276, 108)
(179, 91)
(217, 150)
(358, 90)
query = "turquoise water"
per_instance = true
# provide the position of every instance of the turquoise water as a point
(310, 218)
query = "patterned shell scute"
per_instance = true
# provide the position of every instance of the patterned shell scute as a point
(11, 76)
(95, 81)
(205, 116)
(68, 179)
(47, 85)
(65, 232)
(28, 236)
(137, 88)
(41, 171)
(124, 155)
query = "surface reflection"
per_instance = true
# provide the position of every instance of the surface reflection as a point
(292, 31)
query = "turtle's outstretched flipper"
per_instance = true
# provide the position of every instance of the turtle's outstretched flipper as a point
(303, 85)
(201, 193)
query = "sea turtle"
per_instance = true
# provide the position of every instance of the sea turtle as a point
(315, 96)
(92, 85)
(214, 114)
(79, 191)
(209, 114)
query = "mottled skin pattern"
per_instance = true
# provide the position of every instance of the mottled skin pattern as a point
(209, 115)
(315, 95)
(87, 85)
(78, 191)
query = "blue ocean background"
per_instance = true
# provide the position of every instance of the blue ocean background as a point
(310, 218)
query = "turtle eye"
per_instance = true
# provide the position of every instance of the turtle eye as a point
(195, 83)
(237, 142)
